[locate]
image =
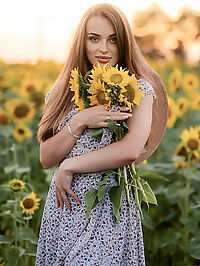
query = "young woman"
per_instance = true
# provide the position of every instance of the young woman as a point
(66, 237)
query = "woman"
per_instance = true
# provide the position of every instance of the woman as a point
(66, 236)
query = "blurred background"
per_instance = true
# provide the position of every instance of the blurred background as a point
(35, 37)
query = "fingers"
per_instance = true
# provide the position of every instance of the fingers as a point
(113, 116)
(61, 204)
(65, 199)
(73, 195)
(62, 198)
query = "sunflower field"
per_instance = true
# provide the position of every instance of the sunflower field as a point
(171, 229)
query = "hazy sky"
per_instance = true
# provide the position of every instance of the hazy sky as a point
(42, 28)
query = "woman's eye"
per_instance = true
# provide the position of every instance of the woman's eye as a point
(113, 40)
(94, 39)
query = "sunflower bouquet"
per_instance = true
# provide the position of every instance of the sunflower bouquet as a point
(112, 87)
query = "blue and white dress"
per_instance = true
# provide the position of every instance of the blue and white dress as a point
(70, 238)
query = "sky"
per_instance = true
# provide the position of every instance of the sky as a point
(30, 30)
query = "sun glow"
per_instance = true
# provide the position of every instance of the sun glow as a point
(43, 29)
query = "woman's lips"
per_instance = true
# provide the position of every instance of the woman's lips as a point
(103, 59)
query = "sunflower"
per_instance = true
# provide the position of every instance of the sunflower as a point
(172, 112)
(197, 128)
(29, 86)
(97, 72)
(99, 94)
(191, 138)
(116, 77)
(195, 105)
(195, 157)
(20, 110)
(16, 185)
(174, 80)
(131, 93)
(4, 119)
(190, 83)
(21, 132)
(181, 151)
(182, 106)
(29, 204)
(75, 88)
(74, 83)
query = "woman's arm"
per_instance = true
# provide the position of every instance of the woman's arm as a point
(54, 149)
(119, 153)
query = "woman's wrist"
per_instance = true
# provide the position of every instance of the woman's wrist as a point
(76, 125)
(66, 166)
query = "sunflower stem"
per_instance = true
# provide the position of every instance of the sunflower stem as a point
(126, 185)
(186, 215)
(15, 157)
(15, 221)
(26, 153)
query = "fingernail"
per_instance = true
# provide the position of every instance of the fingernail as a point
(129, 115)
(126, 108)
(126, 116)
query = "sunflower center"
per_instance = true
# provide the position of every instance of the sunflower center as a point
(116, 78)
(174, 81)
(169, 113)
(181, 106)
(190, 82)
(30, 88)
(21, 131)
(16, 186)
(130, 93)
(193, 144)
(183, 152)
(101, 97)
(28, 203)
(3, 119)
(21, 110)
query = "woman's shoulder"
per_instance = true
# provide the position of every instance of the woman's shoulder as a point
(146, 87)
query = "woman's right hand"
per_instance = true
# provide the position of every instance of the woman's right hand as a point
(97, 116)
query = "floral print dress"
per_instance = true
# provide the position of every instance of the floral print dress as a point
(70, 238)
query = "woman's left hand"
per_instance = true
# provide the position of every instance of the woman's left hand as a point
(63, 186)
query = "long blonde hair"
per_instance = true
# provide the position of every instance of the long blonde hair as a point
(59, 103)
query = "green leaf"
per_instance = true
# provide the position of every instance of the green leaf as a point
(115, 194)
(125, 126)
(113, 127)
(12, 255)
(27, 234)
(5, 240)
(148, 192)
(96, 133)
(196, 254)
(31, 251)
(22, 170)
(19, 218)
(102, 188)
(147, 173)
(91, 200)
(10, 168)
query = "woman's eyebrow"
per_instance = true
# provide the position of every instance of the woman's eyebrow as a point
(92, 33)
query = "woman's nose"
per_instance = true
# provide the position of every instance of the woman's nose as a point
(103, 48)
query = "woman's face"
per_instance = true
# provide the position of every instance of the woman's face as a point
(101, 42)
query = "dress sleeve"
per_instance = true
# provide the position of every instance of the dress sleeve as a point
(147, 89)
(48, 94)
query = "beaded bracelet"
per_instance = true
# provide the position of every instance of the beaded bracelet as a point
(70, 131)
